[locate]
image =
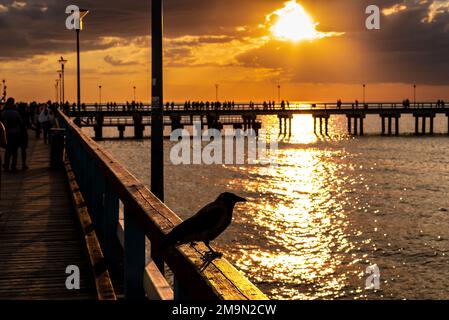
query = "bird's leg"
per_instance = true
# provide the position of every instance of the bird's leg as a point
(212, 254)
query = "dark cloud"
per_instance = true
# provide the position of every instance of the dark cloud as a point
(405, 49)
(118, 62)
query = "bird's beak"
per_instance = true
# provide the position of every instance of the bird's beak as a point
(240, 199)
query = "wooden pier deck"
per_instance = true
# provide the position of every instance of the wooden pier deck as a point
(40, 234)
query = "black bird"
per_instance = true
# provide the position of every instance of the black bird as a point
(206, 225)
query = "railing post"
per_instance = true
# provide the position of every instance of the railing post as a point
(111, 217)
(134, 258)
(179, 292)
(98, 190)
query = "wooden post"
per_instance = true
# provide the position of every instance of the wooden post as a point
(321, 125)
(134, 258)
(157, 119)
(121, 131)
(110, 223)
(326, 124)
(383, 124)
(289, 126)
(98, 128)
(397, 125)
(431, 124)
(355, 126)
(98, 190)
(424, 125)
(362, 129)
(416, 125)
(314, 124)
(390, 124)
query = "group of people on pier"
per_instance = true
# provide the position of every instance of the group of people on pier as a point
(226, 105)
(16, 119)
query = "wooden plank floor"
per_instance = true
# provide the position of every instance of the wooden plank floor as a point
(39, 233)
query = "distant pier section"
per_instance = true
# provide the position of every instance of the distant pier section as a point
(245, 116)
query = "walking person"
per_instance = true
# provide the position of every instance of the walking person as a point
(3, 144)
(26, 124)
(13, 123)
(45, 122)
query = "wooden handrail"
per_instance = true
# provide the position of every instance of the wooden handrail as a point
(195, 278)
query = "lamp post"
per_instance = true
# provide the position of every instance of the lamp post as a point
(134, 88)
(157, 127)
(216, 92)
(60, 86)
(99, 89)
(57, 90)
(83, 13)
(364, 94)
(62, 62)
(414, 94)
(279, 93)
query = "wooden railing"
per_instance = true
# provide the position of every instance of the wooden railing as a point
(104, 183)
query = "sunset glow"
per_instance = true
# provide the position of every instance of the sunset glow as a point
(293, 23)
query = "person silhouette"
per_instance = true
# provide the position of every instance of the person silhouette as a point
(12, 121)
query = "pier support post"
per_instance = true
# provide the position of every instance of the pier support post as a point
(290, 126)
(355, 126)
(314, 124)
(396, 125)
(98, 132)
(134, 258)
(416, 125)
(431, 124)
(362, 129)
(383, 125)
(326, 124)
(121, 130)
(424, 125)
(98, 127)
(138, 127)
(390, 126)
(321, 125)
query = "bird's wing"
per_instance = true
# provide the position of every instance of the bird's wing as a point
(206, 219)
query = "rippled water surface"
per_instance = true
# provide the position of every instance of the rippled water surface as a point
(331, 207)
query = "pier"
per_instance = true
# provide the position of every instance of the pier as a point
(90, 212)
(246, 116)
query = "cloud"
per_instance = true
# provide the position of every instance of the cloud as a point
(436, 8)
(220, 34)
(118, 62)
(19, 5)
(394, 9)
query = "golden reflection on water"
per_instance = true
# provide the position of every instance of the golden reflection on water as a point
(303, 224)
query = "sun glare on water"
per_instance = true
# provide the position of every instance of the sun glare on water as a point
(293, 23)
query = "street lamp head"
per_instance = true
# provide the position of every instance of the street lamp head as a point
(62, 61)
(83, 14)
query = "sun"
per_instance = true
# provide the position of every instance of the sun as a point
(293, 23)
